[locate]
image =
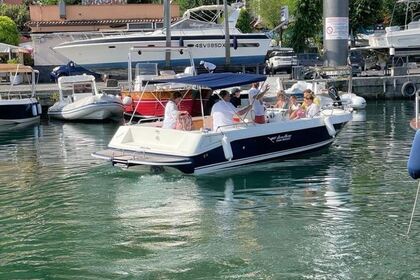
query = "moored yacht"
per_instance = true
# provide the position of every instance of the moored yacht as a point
(205, 39)
(205, 149)
(398, 37)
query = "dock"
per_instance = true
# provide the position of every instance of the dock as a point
(369, 87)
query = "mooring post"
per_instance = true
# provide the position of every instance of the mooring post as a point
(336, 32)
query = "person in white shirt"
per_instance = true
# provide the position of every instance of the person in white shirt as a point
(312, 109)
(172, 112)
(255, 98)
(224, 111)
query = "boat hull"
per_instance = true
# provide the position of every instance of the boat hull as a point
(206, 153)
(94, 111)
(109, 55)
(152, 104)
(17, 112)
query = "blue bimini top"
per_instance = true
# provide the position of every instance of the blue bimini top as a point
(218, 80)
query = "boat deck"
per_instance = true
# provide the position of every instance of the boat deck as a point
(138, 158)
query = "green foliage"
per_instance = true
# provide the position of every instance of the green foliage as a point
(269, 10)
(188, 4)
(306, 29)
(13, 61)
(364, 13)
(8, 31)
(19, 14)
(244, 21)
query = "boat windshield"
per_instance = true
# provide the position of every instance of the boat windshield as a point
(194, 24)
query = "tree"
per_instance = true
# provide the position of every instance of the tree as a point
(306, 29)
(19, 13)
(244, 21)
(364, 13)
(8, 31)
(269, 10)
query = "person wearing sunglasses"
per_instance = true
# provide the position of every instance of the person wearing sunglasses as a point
(311, 108)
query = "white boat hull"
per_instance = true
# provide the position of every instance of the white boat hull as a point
(200, 152)
(109, 55)
(93, 111)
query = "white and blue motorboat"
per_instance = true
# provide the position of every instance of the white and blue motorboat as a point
(79, 100)
(17, 108)
(204, 36)
(203, 150)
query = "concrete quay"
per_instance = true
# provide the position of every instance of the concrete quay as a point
(372, 87)
(369, 87)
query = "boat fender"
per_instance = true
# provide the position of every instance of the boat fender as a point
(127, 100)
(235, 43)
(413, 163)
(181, 42)
(34, 112)
(39, 108)
(227, 149)
(408, 89)
(329, 126)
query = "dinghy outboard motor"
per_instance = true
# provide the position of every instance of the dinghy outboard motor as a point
(333, 93)
(414, 159)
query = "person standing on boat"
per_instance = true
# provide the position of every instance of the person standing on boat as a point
(255, 96)
(312, 109)
(224, 111)
(172, 112)
(235, 97)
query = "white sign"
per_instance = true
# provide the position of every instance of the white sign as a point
(336, 28)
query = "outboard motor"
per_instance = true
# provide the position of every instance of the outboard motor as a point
(333, 93)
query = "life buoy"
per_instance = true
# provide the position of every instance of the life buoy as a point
(227, 149)
(408, 89)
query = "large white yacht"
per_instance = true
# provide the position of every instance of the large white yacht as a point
(206, 40)
(398, 37)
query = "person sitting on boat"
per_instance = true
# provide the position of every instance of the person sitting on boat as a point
(255, 96)
(295, 110)
(311, 108)
(235, 97)
(210, 102)
(281, 100)
(172, 112)
(224, 111)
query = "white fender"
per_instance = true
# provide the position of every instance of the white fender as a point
(34, 112)
(227, 149)
(39, 108)
(329, 126)
(127, 100)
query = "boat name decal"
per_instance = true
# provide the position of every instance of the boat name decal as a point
(209, 45)
(280, 138)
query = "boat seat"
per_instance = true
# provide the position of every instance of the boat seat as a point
(167, 73)
(78, 96)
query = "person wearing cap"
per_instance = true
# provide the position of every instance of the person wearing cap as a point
(255, 96)
(235, 97)
(224, 111)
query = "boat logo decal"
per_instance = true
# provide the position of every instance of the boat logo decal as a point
(280, 138)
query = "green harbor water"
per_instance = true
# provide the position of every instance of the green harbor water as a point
(341, 213)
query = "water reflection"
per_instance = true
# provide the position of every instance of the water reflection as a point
(359, 116)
